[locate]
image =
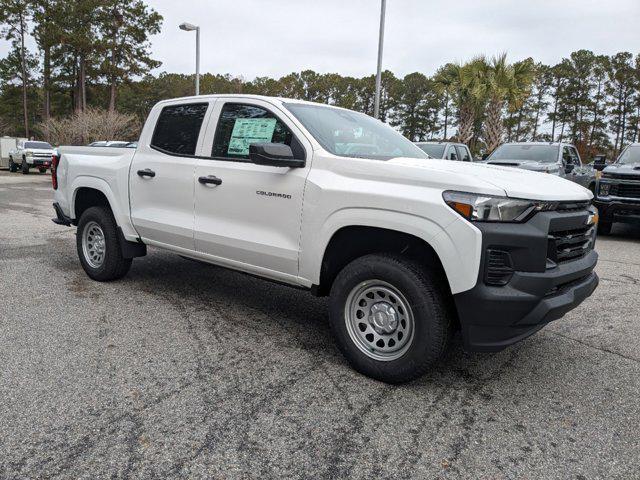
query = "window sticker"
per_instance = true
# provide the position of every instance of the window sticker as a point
(250, 130)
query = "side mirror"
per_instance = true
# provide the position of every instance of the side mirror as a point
(485, 156)
(453, 156)
(569, 167)
(274, 155)
(599, 162)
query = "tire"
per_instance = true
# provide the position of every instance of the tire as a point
(403, 291)
(604, 228)
(12, 166)
(42, 170)
(25, 167)
(102, 261)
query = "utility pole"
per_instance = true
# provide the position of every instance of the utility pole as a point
(376, 107)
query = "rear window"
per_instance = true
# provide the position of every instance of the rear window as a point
(178, 128)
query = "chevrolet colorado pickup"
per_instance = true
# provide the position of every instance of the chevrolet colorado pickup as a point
(408, 249)
(618, 190)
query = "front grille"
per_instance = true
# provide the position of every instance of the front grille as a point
(625, 190)
(566, 245)
(572, 206)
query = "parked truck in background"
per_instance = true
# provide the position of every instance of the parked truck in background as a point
(7, 145)
(618, 190)
(555, 158)
(31, 153)
(408, 249)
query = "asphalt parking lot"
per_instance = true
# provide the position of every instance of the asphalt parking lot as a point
(188, 370)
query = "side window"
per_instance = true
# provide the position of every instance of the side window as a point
(463, 153)
(178, 128)
(240, 125)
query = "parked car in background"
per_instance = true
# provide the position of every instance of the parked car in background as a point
(446, 150)
(31, 153)
(618, 190)
(561, 159)
(406, 249)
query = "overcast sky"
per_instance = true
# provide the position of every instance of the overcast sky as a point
(274, 37)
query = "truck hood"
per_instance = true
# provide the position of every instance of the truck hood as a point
(527, 165)
(515, 183)
(631, 170)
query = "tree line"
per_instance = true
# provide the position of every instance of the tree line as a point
(95, 55)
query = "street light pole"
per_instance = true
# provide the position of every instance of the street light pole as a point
(376, 107)
(188, 27)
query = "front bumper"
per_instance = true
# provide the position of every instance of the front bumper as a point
(618, 210)
(492, 317)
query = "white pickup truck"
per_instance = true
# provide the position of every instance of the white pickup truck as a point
(409, 249)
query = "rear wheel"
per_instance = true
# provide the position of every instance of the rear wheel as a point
(12, 166)
(389, 318)
(98, 246)
(25, 166)
(604, 228)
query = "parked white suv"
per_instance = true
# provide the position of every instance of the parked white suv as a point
(408, 248)
(31, 153)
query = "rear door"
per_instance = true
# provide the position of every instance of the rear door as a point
(251, 220)
(161, 174)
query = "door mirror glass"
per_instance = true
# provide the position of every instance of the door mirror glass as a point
(274, 155)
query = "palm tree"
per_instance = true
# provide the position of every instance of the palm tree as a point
(501, 84)
(460, 82)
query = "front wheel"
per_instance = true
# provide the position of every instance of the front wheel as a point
(389, 318)
(98, 246)
(25, 166)
(42, 170)
(12, 166)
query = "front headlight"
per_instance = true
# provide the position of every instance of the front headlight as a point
(487, 208)
(28, 154)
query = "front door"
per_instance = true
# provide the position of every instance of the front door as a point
(250, 218)
(161, 176)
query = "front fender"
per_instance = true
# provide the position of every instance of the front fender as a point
(456, 242)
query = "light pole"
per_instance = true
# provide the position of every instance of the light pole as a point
(376, 106)
(188, 27)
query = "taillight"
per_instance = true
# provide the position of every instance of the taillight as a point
(55, 159)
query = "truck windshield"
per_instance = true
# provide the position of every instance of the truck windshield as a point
(630, 155)
(434, 151)
(43, 145)
(350, 134)
(534, 153)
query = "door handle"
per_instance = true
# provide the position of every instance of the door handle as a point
(210, 179)
(146, 173)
